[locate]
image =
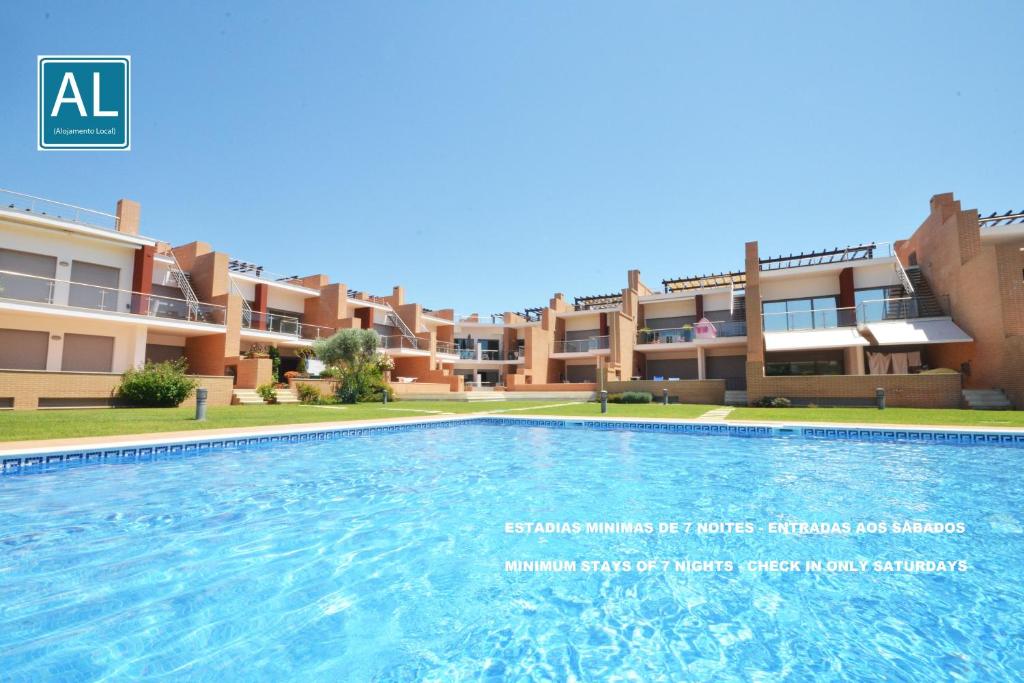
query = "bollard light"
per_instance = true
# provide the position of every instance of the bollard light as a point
(880, 398)
(385, 396)
(604, 401)
(664, 396)
(201, 404)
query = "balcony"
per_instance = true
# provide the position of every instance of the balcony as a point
(76, 296)
(893, 321)
(479, 354)
(444, 348)
(870, 311)
(283, 325)
(50, 208)
(401, 345)
(698, 333)
(575, 348)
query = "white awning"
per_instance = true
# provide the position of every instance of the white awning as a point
(930, 331)
(838, 338)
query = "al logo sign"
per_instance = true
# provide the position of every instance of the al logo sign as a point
(84, 102)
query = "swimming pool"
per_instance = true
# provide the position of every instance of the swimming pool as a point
(383, 557)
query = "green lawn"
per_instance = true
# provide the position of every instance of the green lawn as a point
(917, 416)
(58, 424)
(679, 411)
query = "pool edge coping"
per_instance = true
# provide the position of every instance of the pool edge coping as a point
(774, 428)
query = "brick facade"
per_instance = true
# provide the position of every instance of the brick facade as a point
(708, 391)
(902, 391)
(26, 387)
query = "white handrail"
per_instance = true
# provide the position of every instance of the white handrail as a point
(148, 297)
(78, 209)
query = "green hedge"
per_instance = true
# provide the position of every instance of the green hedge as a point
(157, 385)
(631, 397)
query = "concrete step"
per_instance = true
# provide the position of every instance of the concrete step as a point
(735, 398)
(986, 399)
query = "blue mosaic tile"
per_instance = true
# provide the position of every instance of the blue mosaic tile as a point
(35, 463)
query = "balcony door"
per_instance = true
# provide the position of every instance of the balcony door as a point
(94, 286)
(27, 277)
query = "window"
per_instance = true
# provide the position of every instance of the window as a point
(800, 314)
(27, 277)
(96, 286)
(87, 353)
(23, 349)
(804, 367)
(871, 304)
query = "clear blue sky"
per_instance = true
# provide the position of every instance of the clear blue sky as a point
(487, 154)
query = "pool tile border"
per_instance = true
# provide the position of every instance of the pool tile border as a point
(153, 449)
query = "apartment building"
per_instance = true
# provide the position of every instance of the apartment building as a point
(934, 320)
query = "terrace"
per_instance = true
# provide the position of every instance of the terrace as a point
(698, 333)
(283, 325)
(597, 302)
(576, 348)
(56, 295)
(61, 211)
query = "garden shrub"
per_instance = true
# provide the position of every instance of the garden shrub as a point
(309, 394)
(631, 397)
(268, 392)
(157, 385)
(360, 369)
(773, 402)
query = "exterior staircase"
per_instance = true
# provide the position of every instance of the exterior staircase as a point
(986, 399)
(735, 398)
(249, 397)
(245, 397)
(392, 318)
(926, 303)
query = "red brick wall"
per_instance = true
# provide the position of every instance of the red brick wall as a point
(26, 387)
(907, 391)
(708, 391)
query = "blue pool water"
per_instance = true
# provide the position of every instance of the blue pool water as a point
(382, 558)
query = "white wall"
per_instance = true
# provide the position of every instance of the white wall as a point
(284, 300)
(875, 275)
(129, 339)
(799, 287)
(69, 247)
(583, 322)
(671, 309)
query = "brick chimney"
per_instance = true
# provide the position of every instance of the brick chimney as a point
(128, 216)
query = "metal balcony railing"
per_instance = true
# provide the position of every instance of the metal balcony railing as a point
(445, 348)
(273, 322)
(394, 342)
(903, 308)
(284, 324)
(67, 294)
(872, 311)
(817, 319)
(588, 345)
(51, 208)
(675, 335)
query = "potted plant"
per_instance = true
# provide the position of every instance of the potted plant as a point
(645, 335)
(385, 364)
(257, 351)
(688, 332)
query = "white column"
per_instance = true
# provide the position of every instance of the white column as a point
(139, 357)
(55, 351)
(701, 370)
(856, 355)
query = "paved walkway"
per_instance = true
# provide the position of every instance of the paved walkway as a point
(717, 414)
